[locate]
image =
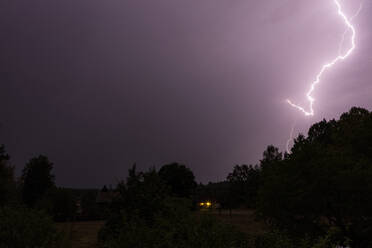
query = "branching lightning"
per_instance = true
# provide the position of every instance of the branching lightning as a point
(327, 66)
(347, 29)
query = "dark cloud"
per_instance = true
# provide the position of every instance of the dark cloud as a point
(98, 85)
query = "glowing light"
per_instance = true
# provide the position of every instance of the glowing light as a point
(202, 204)
(327, 66)
(208, 204)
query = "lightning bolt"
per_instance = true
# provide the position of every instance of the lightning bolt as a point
(329, 65)
(347, 29)
(325, 67)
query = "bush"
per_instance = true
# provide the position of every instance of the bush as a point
(278, 239)
(21, 228)
(274, 240)
(179, 178)
(184, 232)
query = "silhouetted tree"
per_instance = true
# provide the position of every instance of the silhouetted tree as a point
(36, 179)
(143, 193)
(244, 183)
(325, 182)
(142, 196)
(179, 178)
(149, 217)
(271, 156)
(7, 184)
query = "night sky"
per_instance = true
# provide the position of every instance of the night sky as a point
(97, 85)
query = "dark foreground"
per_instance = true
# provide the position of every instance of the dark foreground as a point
(84, 234)
(81, 234)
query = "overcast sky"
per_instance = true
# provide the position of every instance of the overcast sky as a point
(97, 85)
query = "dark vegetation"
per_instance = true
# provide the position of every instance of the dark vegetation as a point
(21, 227)
(318, 196)
(147, 214)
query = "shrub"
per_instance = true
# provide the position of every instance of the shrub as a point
(278, 239)
(21, 227)
(184, 232)
(274, 239)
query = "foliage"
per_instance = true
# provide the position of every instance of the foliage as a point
(271, 157)
(7, 184)
(280, 239)
(176, 227)
(179, 178)
(21, 227)
(244, 182)
(325, 181)
(36, 180)
(73, 204)
(147, 215)
(188, 233)
(274, 239)
(66, 204)
(143, 194)
(63, 204)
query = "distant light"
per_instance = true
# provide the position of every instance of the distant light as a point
(208, 204)
(202, 204)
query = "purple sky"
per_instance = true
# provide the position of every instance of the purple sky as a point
(98, 85)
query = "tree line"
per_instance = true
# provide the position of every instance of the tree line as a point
(317, 196)
(322, 188)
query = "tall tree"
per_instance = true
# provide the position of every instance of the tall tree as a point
(37, 179)
(271, 156)
(142, 194)
(326, 181)
(180, 179)
(244, 182)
